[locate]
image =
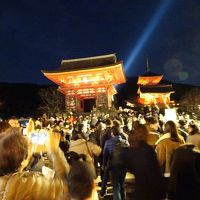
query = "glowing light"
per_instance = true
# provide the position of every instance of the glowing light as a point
(85, 79)
(129, 104)
(170, 114)
(147, 32)
(62, 81)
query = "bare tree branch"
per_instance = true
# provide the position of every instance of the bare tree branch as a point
(52, 101)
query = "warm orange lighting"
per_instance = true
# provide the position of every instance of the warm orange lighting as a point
(154, 98)
(149, 80)
(62, 81)
(84, 78)
(151, 91)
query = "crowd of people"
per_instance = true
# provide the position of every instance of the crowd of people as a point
(63, 157)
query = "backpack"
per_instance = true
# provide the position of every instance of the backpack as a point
(119, 155)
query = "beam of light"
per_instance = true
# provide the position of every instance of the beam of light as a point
(163, 7)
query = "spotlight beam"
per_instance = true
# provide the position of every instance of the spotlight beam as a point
(163, 7)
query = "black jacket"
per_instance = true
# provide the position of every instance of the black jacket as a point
(185, 173)
(142, 162)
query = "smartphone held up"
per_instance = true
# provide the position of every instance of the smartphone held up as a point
(39, 137)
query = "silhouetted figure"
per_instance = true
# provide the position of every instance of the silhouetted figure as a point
(184, 182)
(142, 161)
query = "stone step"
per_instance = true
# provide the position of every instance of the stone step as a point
(129, 183)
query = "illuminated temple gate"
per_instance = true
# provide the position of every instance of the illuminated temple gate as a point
(88, 82)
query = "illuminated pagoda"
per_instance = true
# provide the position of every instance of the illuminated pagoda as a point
(151, 91)
(88, 82)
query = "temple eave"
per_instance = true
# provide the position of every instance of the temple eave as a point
(82, 69)
(88, 78)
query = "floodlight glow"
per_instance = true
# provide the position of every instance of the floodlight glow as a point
(147, 32)
(170, 114)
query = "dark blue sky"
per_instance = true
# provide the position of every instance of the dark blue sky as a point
(37, 34)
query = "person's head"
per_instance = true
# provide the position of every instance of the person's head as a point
(14, 122)
(181, 123)
(116, 123)
(13, 150)
(193, 129)
(4, 126)
(72, 157)
(80, 180)
(99, 126)
(138, 135)
(152, 122)
(70, 127)
(170, 127)
(80, 127)
(135, 125)
(108, 122)
(125, 129)
(115, 131)
(64, 145)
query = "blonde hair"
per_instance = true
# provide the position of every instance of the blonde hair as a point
(31, 126)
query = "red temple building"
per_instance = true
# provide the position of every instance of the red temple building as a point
(151, 91)
(88, 82)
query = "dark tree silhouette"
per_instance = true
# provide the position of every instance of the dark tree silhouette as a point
(2, 104)
(191, 98)
(52, 101)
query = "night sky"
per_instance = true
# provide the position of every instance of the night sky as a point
(38, 34)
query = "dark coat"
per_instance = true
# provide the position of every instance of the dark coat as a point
(184, 181)
(142, 162)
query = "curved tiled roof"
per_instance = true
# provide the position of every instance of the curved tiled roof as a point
(156, 88)
(88, 63)
(149, 73)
